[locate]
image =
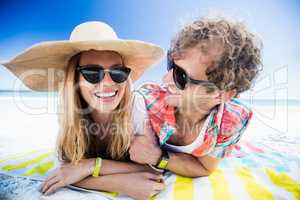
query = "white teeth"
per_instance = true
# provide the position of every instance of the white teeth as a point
(105, 94)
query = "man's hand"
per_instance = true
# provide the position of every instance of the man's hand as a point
(145, 148)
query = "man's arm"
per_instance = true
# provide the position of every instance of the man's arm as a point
(190, 166)
(145, 150)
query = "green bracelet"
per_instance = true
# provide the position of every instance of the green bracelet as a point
(97, 168)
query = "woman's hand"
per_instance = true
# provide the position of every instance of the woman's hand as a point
(143, 185)
(67, 174)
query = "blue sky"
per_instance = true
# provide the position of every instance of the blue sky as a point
(277, 22)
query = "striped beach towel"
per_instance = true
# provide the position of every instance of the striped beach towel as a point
(251, 173)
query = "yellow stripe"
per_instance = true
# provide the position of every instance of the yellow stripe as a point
(110, 194)
(284, 181)
(113, 194)
(220, 187)
(17, 156)
(40, 169)
(256, 191)
(26, 163)
(183, 188)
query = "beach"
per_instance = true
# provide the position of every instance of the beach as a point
(30, 122)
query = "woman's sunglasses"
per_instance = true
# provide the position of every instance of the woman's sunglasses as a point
(95, 73)
(181, 78)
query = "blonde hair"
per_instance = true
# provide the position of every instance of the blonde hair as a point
(74, 141)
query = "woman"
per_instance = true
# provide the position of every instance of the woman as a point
(94, 122)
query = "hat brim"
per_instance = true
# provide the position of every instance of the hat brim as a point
(34, 65)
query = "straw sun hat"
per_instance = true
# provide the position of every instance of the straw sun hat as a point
(42, 66)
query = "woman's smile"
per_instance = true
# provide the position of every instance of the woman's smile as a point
(107, 96)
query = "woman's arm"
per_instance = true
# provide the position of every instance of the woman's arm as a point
(108, 183)
(69, 173)
(136, 185)
(109, 167)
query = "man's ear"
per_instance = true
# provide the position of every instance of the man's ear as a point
(228, 95)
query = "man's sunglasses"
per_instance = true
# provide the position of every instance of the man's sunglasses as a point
(181, 78)
(95, 73)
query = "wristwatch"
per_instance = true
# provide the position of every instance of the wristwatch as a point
(162, 163)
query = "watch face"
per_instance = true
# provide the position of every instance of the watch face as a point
(164, 160)
(163, 163)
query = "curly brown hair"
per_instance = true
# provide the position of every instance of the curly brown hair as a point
(240, 60)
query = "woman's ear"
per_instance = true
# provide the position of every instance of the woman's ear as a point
(228, 95)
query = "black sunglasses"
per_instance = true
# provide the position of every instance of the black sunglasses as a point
(95, 73)
(181, 78)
